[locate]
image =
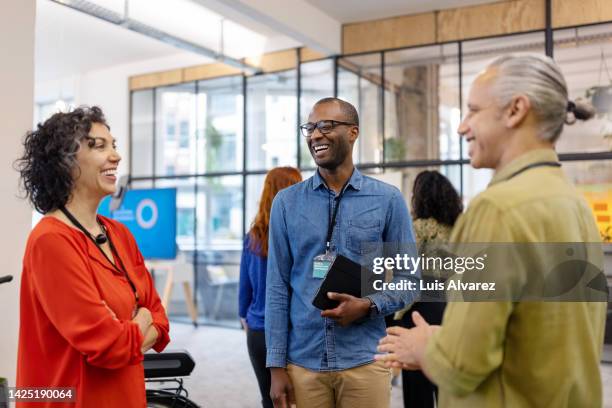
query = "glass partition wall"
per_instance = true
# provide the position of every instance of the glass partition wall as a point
(215, 139)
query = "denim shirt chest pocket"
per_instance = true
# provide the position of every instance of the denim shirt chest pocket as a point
(361, 231)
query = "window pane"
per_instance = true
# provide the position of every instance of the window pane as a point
(585, 57)
(477, 54)
(271, 120)
(219, 237)
(219, 212)
(142, 133)
(594, 180)
(317, 83)
(185, 211)
(220, 113)
(359, 80)
(422, 103)
(254, 187)
(185, 241)
(474, 181)
(175, 121)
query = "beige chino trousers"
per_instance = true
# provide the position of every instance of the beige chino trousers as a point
(366, 386)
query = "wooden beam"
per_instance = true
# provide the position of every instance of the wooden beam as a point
(271, 62)
(156, 79)
(576, 12)
(209, 71)
(275, 61)
(499, 18)
(491, 19)
(394, 32)
(309, 54)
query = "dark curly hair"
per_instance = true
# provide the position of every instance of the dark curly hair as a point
(50, 155)
(433, 196)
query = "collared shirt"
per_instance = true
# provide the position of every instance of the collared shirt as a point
(370, 211)
(521, 354)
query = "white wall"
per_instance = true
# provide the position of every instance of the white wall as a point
(17, 84)
(108, 88)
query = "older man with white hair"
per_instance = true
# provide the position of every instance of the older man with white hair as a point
(514, 353)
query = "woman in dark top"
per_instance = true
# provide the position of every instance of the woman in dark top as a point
(435, 208)
(253, 269)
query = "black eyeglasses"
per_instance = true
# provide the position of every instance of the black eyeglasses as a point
(324, 126)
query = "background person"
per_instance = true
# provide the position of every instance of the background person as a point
(324, 358)
(515, 353)
(252, 292)
(436, 205)
(88, 307)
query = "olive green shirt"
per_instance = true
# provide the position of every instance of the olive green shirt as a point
(521, 354)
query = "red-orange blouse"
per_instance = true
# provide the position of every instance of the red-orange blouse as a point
(67, 337)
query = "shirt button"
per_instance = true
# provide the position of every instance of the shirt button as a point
(329, 327)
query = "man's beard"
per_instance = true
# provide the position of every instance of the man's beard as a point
(341, 153)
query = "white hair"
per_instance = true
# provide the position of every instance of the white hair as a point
(539, 78)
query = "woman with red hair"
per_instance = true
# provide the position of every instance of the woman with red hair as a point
(253, 276)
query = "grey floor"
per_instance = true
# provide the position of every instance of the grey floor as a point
(223, 377)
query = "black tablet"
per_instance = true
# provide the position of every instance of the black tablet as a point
(343, 276)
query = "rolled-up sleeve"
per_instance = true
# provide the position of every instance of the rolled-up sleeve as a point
(468, 346)
(277, 287)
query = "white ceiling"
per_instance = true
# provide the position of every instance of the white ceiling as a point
(69, 42)
(349, 11)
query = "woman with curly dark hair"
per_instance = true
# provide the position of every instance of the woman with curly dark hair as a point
(435, 208)
(434, 198)
(88, 307)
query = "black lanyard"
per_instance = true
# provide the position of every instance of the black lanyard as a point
(534, 165)
(332, 218)
(123, 270)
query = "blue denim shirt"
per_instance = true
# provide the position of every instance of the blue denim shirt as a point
(370, 211)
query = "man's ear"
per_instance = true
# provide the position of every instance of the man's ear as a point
(517, 110)
(353, 134)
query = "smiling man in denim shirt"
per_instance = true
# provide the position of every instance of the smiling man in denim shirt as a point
(325, 359)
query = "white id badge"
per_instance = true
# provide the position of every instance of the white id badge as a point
(321, 264)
